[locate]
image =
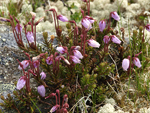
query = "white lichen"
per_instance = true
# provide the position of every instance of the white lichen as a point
(110, 101)
(107, 108)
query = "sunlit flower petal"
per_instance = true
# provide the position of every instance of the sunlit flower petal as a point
(18, 28)
(62, 50)
(62, 18)
(106, 39)
(86, 23)
(137, 62)
(75, 59)
(90, 19)
(30, 37)
(125, 64)
(93, 43)
(41, 90)
(115, 16)
(21, 82)
(49, 60)
(25, 64)
(77, 54)
(54, 108)
(43, 75)
(115, 39)
(102, 25)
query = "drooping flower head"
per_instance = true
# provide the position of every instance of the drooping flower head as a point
(54, 108)
(36, 63)
(137, 62)
(18, 28)
(62, 18)
(49, 60)
(77, 54)
(125, 64)
(62, 50)
(75, 59)
(93, 43)
(102, 25)
(106, 39)
(147, 27)
(33, 14)
(30, 37)
(114, 39)
(115, 16)
(90, 19)
(21, 82)
(25, 64)
(86, 23)
(41, 90)
(43, 75)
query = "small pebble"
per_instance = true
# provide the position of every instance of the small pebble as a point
(3, 40)
(7, 64)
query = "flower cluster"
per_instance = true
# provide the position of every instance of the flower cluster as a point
(59, 108)
(83, 51)
(135, 61)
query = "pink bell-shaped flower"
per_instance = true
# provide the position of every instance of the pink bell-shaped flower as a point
(77, 54)
(30, 37)
(115, 16)
(54, 108)
(102, 25)
(49, 60)
(18, 28)
(106, 39)
(41, 90)
(62, 50)
(93, 43)
(137, 62)
(147, 27)
(33, 14)
(125, 64)
(43, 75)
(62, 18)
(25, 64)
(75, 59)
(21, 82)
(115, 39)
(90, 19)
(36, 63)
(86, 23)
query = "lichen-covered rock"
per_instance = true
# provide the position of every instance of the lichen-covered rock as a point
(107, 108)
(26, 8)
(40, 12)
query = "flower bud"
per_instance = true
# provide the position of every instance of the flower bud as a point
(41, 90)
(86, 23)
(115, 16)
(62, 18)
(93, 43)
(33, 15)
(115, 39)
(102, 25)
(43, 75)
(125, 64)
(137, 62)
(39, 20)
